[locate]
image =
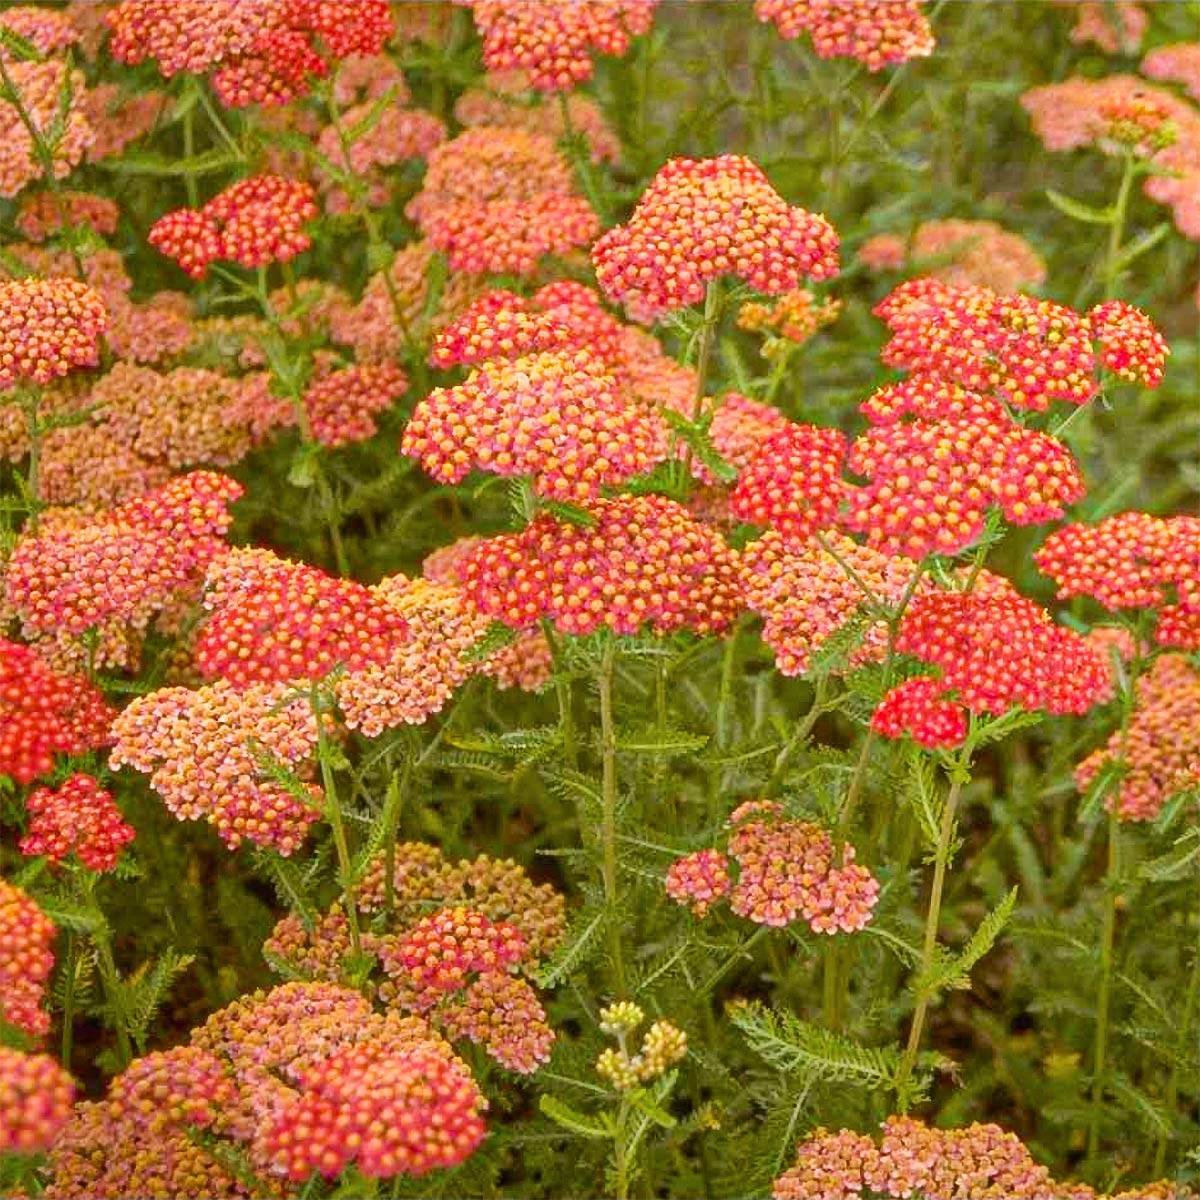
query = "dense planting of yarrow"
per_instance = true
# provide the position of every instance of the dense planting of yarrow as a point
(599, 597)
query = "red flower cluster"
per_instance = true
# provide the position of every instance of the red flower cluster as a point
(1129, 342)
(254, 222)
(263, 53)
(554, 42)
(785, 871)
(441, 950)
(77, 817)
(275, 620)
(126, 564)
(644, 560)
(793, 482)
(701, 219)
(1133, 560)
(878, 33)
(26, 960)
(43, 714)
(204, 751)
(932, 480)
(48, 327)
(559, 416)
(390, 1112)
(36, 1095)
(919, 708)
(499, 199)
(1161, 755)
(994, 651)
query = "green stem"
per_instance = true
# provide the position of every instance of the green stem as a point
(1116, 232)
(189, 150)
(608, 753)
(392, 807)
(932, 919)
(620, 1161)
(110, 980)
(725, 694)
(30, 405)
(333, 812)
(802, 730)
(740, 952)
(562, 690)
(708, 335)
(68, 1009)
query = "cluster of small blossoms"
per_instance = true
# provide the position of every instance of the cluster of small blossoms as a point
(274, 620)
(643, 561)
(498, 199)
(1179, 62)
(786, 871)
(118, 117)
(559, 416)
(554, 43)
(994, 651)
(1160, 753)
(919, 708)
(738, 430)
(79, 817)
(1116, 28)
(48, 327)
(36, 1095)
(789, 321)
(932, 480)
(43, 713)
(441, 950)
(663, 1045)
(1026, 351)
(26, 960)
(125, 564)
(40, 86)
(207, 752)
(103, 268)
(965, 253)
(503, 103)
(793, 482)
(47, 30)
(254, 222)
(877, 33)
(263, 53)
(389, 1112)
(159, 328)
(701, 219)
(1133, 560)
(44, 214)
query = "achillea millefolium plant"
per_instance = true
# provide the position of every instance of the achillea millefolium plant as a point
(600, 598)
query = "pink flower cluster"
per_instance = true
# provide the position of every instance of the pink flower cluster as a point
(79, 817)
(878, 33)
(36, 1095)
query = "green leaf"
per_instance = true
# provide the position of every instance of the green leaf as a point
(1177, 861)
(143, 994)
(147, 162)
(662, 742)
(955, 972)
(810, 1052)
(1139, 245)
(289, 884)
(642, 1100)
(570, 1118)
(496, 637)
(1108, 777)
(577, 947)
(1078, 211)
(19, 47)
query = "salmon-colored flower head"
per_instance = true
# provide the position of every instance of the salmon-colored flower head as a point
(44, 714)
(48, 31)
(878, 33)
(36, 1095)
(701, 219)
(79, 817)
(48, 327)
(1116, 28)
(43, 214)
(644, 560)
(789, 321)
(554, 42)
(1161, 751)
(559, 416)
(1179, 62)
(254, 222)
(41, 86)
(26, 960)
(204, 751)
(389, 1112)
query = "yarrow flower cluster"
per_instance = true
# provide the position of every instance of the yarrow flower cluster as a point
(558, 416)
(48, 327)
(701, 219)
(964, 253)
(41, 87)
(254, 222)
(993, 651)
(260, 53)
(932, 480)
(207, 752)
(274, 620)
(26, 960)
(786, 871)
(36, 1095)
(44, 214)
(663, 1045)
(644, 560)
(787, 322)
(878, 33)
(552, 42)
(1179, 62)
(44, 713)
(498, 200)
(441, 950)
(1116, 28)
(1023, 350)
(1160, 752)
(126, 564)
(78, 817)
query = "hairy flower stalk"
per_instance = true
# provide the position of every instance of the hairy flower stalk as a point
(608, 791)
